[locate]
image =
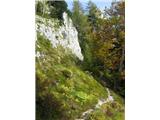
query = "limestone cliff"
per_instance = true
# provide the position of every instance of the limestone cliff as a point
(65, 35)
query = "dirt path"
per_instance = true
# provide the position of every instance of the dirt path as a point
(97, 106)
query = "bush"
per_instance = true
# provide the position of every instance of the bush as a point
(67, 73)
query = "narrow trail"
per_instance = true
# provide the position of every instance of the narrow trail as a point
(97, 106)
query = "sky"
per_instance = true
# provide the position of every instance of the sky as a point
(100, 3)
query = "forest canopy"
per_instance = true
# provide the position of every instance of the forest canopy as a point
(102, 39)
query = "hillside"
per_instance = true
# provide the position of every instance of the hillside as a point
(64, 90)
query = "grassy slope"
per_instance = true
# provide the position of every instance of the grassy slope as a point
(64, 91)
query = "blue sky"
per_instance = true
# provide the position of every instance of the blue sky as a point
(100, 3)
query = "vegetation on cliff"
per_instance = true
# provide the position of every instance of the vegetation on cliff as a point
(68, 88)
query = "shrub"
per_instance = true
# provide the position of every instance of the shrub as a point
(67, 73)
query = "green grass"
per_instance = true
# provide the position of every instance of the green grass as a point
(63, 90)
(108, 111)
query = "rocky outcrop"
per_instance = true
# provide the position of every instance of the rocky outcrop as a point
(65, 35)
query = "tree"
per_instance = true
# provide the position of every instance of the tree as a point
(83, 27)
(57, 8)
(93, 14)
(109, 42)
(117, 17)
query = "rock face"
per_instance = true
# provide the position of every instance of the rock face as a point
(65, 35)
